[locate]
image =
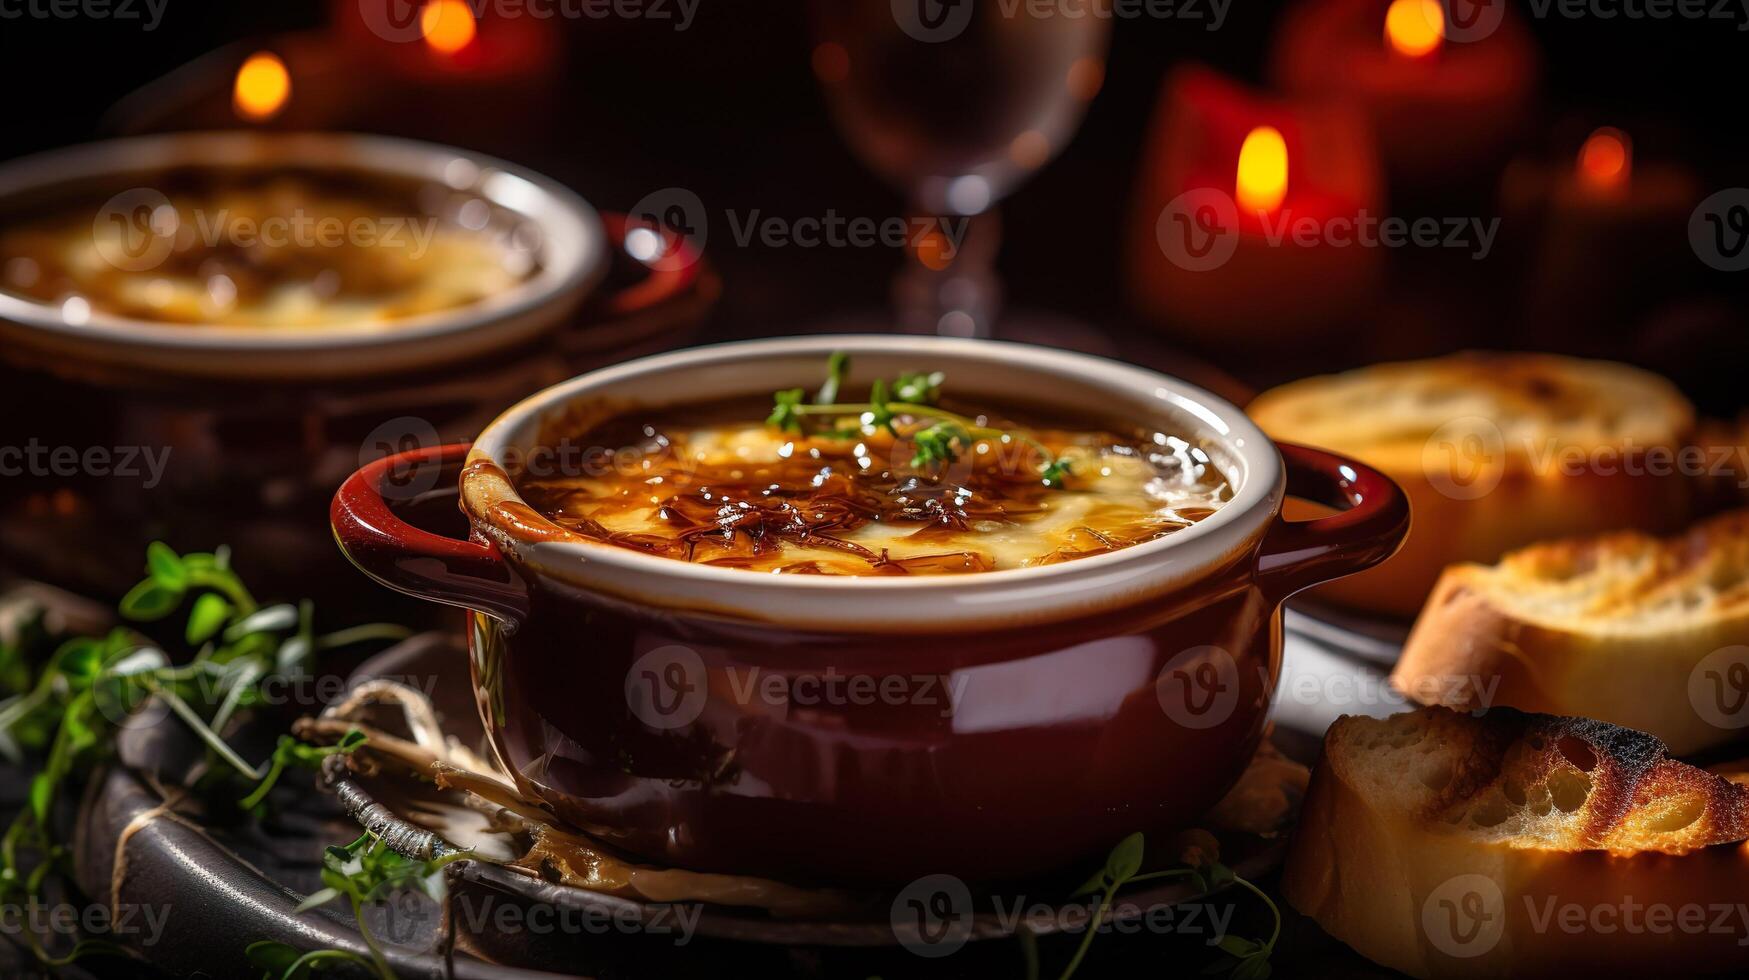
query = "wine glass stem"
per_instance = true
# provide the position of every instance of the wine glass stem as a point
(949, 285)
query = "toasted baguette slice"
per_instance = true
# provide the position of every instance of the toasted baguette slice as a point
(1514, 844)
(1496, 451)
(1634, 630)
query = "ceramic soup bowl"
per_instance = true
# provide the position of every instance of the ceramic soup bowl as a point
(876, 728)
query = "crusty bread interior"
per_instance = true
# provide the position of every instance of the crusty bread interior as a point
(1545, 833)
(1524, 780)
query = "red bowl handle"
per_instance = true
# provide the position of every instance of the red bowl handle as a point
(1374, 520)
(672, 273)
(419, 563)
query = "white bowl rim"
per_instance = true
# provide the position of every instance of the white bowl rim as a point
(564, 216)
(1256, 500)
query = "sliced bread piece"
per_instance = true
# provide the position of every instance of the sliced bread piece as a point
(1648, 633)
(1512, 844)
(1496, 451)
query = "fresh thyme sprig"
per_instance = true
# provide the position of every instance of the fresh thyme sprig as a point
(363, 872)
(1251, 958)
(292, 752)
(911, 394)
(90, 685)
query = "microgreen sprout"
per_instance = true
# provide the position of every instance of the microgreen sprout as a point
(363, 872)
(292, 752)
(837, 366)
(940, 444)
(1122, 867)
(940, 438)
(88, 686)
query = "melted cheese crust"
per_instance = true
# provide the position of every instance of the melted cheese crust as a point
(285, 255)
(987, 511)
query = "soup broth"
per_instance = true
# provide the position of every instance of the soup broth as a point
(272, 249)
(712, 484)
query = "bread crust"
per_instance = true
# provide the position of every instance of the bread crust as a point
(1478, 643)
(1395, 883)
(1521, 510)
(1564, 449)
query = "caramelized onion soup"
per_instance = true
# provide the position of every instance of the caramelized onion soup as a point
(713, 484)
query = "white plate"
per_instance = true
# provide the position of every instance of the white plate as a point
(573, 259)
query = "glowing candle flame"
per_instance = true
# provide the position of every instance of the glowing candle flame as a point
(1262, 180)
(448, 25)
(933, 250)
(263, 86)
(1415, 27)
(1606, 159)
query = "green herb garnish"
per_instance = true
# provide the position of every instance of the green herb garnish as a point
(292, 752)
(938, 442)
(1251, 958)
(837, 366)
(363, 872)
(83, 692)
(918, 389)
(1055, 472)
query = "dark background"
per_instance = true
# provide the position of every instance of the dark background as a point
(731, 110)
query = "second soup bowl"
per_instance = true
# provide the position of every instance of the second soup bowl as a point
(859, 729)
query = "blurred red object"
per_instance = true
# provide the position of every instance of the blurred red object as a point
(435, 40)
(1446, 96)
(1287, 263)
(1596, 226)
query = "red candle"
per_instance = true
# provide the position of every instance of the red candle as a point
(293, 82)
(1446, 97)
(440, 71)
(442, 42)
(1601, 223)
(441, 75)
(1253, 214)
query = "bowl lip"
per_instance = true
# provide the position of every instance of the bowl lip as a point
(1254, 503)
(559, 212)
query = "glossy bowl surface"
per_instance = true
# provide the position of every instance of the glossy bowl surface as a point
(989, 726)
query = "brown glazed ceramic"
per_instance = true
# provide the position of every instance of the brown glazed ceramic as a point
(875, 729)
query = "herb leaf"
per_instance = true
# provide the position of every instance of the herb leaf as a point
(1091, 885)
(1239, 947)
(291, 752)
(274, 958)
(208, 615)
(166, 567)
(90, 685)
(784, 414)
(880, 414)
(1250, 957)
(939, 445)
(917, 388)
(912, 394)
(837, 366)
(1055, 473)
(150, 600)
(1125, 859)
(363, 872)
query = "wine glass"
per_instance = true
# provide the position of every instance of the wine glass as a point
(955, 102)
